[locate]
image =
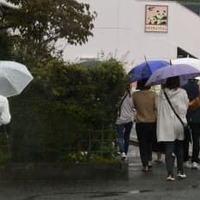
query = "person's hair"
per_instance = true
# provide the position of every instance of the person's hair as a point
(172, 83)
(193, 80)
(141, 85)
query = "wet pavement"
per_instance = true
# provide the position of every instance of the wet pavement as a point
(149, 186)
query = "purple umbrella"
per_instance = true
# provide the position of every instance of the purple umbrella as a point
(184, 71)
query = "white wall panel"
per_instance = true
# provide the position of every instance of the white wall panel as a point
(119, 32)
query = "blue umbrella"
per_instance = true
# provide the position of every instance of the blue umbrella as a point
(146, 69)
(184, 71)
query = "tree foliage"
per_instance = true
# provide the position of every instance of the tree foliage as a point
(37, 25)
(5, 46)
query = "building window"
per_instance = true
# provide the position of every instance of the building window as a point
(181, 53)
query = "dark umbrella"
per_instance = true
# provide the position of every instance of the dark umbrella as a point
(146, 69)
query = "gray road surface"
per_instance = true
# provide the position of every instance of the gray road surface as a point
(140, 186)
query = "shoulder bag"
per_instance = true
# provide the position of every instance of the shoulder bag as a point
(186, 127)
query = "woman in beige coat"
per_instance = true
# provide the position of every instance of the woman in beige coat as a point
(145, 102)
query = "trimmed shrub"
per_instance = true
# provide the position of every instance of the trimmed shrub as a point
(67, 113)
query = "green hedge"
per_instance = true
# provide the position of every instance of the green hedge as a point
(67, 113)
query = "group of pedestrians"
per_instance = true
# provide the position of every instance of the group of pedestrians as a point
(159, 120)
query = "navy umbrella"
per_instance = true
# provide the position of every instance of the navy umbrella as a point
(146, 69)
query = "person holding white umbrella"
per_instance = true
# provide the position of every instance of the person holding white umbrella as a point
(5, 116)
(14, 77)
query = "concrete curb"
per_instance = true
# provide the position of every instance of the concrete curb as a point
(70, 171)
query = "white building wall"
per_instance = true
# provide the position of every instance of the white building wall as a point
(185, 29)
(119, 33)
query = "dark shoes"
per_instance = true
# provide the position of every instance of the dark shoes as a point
(146, 169)
(159, 161)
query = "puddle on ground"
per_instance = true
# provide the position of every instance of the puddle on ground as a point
(115, 194)
(194, 186)
(107, 194)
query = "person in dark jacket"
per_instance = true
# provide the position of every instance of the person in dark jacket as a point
(193, 118)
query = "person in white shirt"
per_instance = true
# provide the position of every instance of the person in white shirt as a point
(5, 116)
(124, 122)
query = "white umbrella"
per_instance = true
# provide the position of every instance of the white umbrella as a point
(194, 62)
(14, 77)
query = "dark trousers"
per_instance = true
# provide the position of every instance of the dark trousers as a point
(172, 149)
(194, 138)
(195, 141)
(145, 133)
(186, 143)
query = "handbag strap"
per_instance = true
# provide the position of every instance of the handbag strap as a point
(121, 102)
(173, 109)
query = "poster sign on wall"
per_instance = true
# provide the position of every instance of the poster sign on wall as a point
(156, 18)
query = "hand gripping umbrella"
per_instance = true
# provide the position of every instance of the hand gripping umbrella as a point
(14, 77)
